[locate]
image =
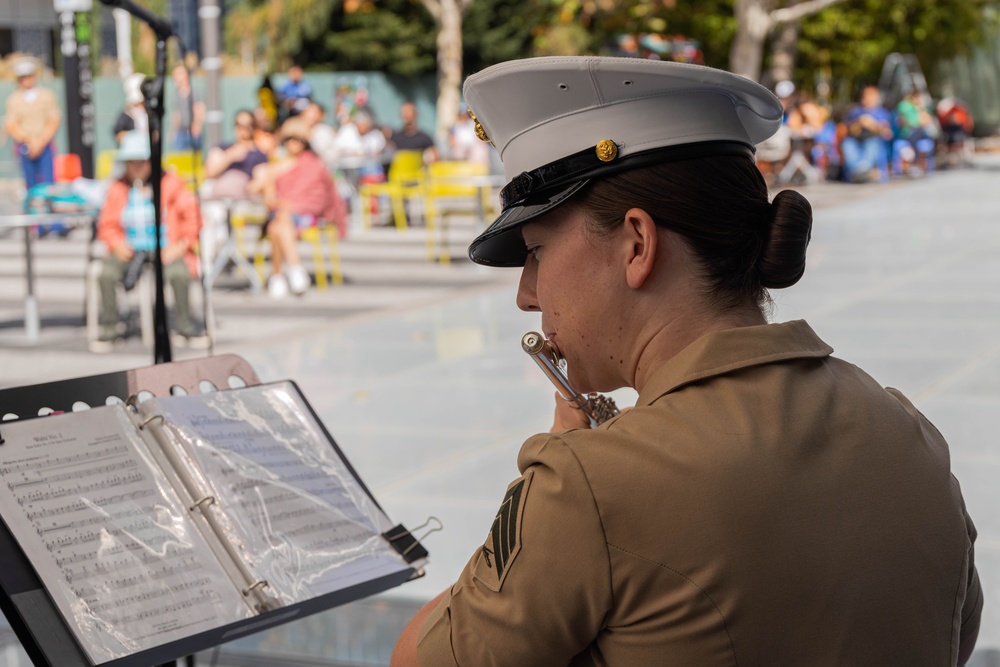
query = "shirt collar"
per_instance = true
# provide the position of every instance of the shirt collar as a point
(724, 351)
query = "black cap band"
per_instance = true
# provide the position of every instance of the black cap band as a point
(586, 164)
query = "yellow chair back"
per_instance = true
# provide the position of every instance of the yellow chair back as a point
(444, 178)
(406, 166)
(105, 166)
(187, 166)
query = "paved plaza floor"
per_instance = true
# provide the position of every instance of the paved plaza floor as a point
(416, 370)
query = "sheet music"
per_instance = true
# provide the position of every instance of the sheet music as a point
(300, 517)
(108, 537)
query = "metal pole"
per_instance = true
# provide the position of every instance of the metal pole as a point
(209, 13)
(75, 37)
(153, 93)
(123, 41)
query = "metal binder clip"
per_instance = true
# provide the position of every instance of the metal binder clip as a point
(408, 546)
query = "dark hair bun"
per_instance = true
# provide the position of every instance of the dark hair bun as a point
(783, 258)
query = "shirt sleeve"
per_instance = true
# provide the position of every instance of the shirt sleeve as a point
(538, 591)
(123, 123)
(109, 222)
(972, 608)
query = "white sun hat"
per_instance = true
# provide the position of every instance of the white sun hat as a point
(24, 67)
(134, 146)
(559, 122)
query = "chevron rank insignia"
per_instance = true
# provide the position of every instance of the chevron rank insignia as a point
(504, 541)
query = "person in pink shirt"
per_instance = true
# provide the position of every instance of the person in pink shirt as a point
(299, 192)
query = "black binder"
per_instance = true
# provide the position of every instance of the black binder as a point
(31, 612)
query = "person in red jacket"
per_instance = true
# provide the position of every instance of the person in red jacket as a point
(126, 226)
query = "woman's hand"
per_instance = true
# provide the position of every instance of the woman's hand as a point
(568, 416)
(174, 252)
(123, 251)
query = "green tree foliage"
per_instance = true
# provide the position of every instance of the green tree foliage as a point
(849, 42)
(394, 36)
(497, 30)
(846, 42)
(591, 26)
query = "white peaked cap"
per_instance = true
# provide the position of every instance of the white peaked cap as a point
(559, 122)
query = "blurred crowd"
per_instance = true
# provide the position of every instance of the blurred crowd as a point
(868, 141)
(299, 163)
(305, 165)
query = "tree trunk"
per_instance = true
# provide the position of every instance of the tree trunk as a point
(449, 67)
(753, 23)
(447, 16)
(784, 46)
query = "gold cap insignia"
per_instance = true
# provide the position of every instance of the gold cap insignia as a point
(607, 150)
(480, 132)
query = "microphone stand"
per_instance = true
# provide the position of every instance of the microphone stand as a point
(152, 92)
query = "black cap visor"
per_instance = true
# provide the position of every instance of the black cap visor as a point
(501, 244)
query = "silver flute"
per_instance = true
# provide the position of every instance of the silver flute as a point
(598, 408)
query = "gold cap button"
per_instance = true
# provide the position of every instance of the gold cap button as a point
(607, 150)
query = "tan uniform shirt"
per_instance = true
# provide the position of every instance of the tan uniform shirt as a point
(763, 504)
(32, 118)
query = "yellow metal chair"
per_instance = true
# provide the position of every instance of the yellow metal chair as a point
(453, 186)
(187, 166)
(105, 166)
(324, 239)
(404, 181)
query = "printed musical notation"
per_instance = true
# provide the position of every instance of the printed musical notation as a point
(228, 505)
(295, 509)
(106, 534)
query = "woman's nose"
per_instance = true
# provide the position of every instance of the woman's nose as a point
(527, 300)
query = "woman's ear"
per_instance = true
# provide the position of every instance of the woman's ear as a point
(642, 236)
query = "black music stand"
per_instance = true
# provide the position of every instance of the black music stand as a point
(33, 616)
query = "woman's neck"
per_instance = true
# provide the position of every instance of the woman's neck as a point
(664, 342)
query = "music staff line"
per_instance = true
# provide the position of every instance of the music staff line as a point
(88, 472)
(54, 463)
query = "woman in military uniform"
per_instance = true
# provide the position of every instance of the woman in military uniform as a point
(764, 503)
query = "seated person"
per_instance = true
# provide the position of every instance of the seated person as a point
(956, 126)
(410, 137)
(230, 166)
(359, 151)
(299, 192)
(865, 149)
(126, 226)
(913, 149)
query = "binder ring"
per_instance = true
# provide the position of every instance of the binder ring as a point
(207, 500)
(262, 583)
(148, 419)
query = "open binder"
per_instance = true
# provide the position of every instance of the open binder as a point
(145, 531)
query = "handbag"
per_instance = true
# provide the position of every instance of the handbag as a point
(134, 269)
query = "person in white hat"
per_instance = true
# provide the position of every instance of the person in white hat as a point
(32, 120)
(126, 225)
(133, 115)
(763, 503)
